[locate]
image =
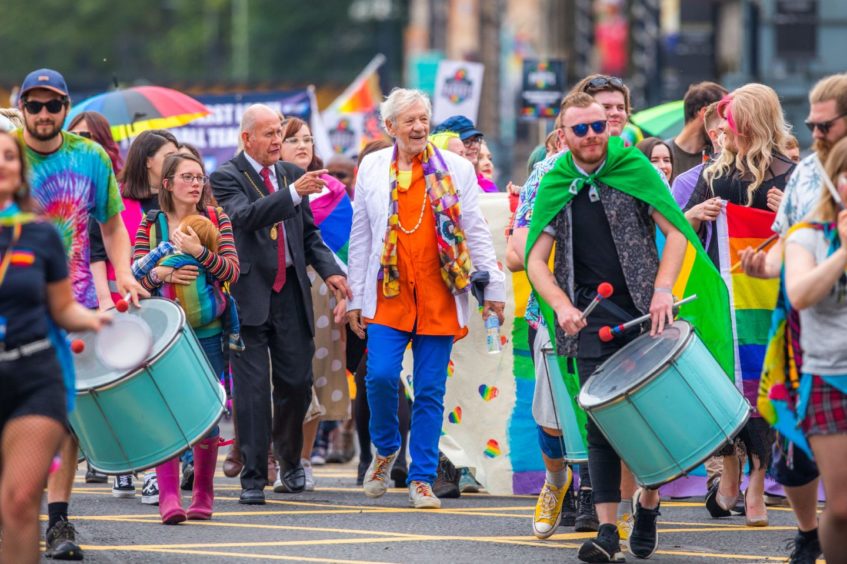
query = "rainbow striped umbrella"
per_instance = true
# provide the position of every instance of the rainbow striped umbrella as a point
(133, 110)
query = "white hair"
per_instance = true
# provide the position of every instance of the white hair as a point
(252, 114)
(399, 100)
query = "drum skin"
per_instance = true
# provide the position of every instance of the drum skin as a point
(673, 420)
(575, 450)
(152, 413)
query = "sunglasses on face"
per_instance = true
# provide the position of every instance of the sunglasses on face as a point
(86, 134)
(581, 129)
(53, 106)
(602, 82)
(824, 126)
(339, 174)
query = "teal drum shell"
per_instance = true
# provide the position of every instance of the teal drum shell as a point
(131, 421)
(664, 404)
(575, 450)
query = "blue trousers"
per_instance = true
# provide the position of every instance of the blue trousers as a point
(385, 361)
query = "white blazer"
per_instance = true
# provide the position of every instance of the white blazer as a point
(370, 218)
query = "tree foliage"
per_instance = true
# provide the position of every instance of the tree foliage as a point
(193, 41)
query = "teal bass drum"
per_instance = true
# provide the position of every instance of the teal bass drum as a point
(134, 420)
(664, 404)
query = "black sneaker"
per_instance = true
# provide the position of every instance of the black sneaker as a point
(187, 482)
(92, 476)
(446, 483)
(586, 517)
(123, 486)
(399, 474)
(715, 510)
(150, 489)
(605, 547)
(569, 508)
(643, 540)
(804, 551)
(61, 542)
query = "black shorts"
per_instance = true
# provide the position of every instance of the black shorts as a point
(32, 385)
(794, 470)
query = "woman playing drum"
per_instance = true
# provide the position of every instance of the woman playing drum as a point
(185, 192)
(34, 285)
(815, 265)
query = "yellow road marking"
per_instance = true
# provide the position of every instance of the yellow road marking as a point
(235, 555)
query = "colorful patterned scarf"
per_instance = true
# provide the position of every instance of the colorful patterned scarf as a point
(452, 246)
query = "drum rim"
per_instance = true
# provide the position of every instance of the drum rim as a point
(548, 350)
(636, 387)
(678, 475)
(146, 363)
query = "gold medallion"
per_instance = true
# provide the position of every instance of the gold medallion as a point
(273, 232)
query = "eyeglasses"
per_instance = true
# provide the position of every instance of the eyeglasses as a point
(581, 129)
(53, 106)
(294, 141)
(824, 126)
(86, 134)
(190, 178)
(471, 141)
(602, 82)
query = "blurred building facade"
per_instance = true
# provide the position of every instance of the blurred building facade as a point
(658, 46)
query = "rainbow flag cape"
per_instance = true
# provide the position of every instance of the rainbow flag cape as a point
(752, 300)
(628, 170)
(333, 214)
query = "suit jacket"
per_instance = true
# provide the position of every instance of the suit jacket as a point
(242, 194)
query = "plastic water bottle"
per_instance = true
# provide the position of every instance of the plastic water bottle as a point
(492, 334)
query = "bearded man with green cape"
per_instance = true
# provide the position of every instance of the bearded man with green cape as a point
(600, 206)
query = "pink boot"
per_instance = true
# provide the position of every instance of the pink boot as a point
(170, 503)
(203, 496)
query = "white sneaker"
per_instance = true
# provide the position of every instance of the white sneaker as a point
(150, 491)
(123, 486)
(421, 496)
(310, 475)
(376, 478)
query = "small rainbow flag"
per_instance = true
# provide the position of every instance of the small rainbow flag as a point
(333, 214)
(22, 258)
(752, 300)
(492, 449)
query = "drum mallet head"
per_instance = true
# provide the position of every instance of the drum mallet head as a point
(77, 346)
(604, 290)
(605, 334)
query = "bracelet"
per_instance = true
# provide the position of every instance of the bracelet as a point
(154, 278)
(663, 290)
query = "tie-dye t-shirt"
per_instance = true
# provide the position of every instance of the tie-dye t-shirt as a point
(69, 185)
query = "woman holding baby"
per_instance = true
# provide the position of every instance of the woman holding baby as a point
(187, 248)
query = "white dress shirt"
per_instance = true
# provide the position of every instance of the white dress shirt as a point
(294, 196)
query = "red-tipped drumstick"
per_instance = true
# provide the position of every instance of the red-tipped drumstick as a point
(122, 305)
(77, 346)
(608, 333)
(604, 290)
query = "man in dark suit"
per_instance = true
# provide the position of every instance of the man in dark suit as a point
(276, 238)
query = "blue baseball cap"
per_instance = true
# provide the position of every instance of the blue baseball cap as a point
(44, 78)
(458, 124)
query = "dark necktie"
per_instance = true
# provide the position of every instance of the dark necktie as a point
(279, 279)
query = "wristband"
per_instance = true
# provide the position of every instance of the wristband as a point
(663, 291)
(154, 278)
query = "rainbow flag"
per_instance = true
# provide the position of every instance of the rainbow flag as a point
(752, 300)
(333, 213)
(362, 97)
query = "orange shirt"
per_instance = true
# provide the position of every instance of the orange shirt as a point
(424, 304)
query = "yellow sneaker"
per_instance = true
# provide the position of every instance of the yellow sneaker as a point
(625, 524)
(548, 508)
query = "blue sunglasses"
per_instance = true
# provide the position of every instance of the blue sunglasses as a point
(581, 129)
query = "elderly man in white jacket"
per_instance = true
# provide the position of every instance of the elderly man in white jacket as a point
(417, 229)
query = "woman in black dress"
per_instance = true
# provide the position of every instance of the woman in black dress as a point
(751, 170)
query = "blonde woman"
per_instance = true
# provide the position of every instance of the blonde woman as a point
(815, 264)
(751, 170)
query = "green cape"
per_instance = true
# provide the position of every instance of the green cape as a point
(628, 170)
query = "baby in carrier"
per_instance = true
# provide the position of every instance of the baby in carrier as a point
(203, 300)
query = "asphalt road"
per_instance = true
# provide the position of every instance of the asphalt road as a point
(337, 523)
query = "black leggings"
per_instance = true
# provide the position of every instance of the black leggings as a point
(363, 417)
